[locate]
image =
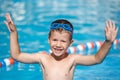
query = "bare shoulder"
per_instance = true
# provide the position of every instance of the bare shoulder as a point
(43, 55)
(75, 55)
(72, 58)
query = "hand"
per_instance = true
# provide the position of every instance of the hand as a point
(110, 31)
(9, 23)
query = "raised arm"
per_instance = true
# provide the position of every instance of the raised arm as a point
(110, 34)
(14, 45)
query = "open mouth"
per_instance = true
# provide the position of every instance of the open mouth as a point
(57, 50)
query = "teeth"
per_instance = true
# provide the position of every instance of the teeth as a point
(58, 49)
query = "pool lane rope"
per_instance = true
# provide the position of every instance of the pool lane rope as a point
(90, 46)
(79, 48)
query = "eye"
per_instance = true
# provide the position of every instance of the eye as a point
(63, 41)
(54, 39)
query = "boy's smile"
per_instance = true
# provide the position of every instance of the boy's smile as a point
(59, 42)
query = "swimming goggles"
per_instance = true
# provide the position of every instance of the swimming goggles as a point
(60, 25)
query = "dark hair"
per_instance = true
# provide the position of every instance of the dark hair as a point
(61, 21)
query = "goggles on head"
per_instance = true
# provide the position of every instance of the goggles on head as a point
(60, 25)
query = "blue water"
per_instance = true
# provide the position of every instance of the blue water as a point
(33, 18)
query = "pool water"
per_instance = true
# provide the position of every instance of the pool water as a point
(33, 18)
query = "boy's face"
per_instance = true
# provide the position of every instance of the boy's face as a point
(59, 42)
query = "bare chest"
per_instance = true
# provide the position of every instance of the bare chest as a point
(59, 70)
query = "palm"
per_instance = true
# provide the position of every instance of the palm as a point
(110, 31)
(10, 23)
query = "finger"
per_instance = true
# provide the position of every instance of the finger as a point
(7, 25)
(8, 17)
(115, 32)
(113, 25)
(106, 29)
(110, 24)
(107, 26)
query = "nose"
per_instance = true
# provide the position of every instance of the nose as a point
(58, 44)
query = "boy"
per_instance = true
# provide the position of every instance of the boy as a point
(59, 65)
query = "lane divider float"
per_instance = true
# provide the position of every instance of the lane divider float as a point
(90, 46)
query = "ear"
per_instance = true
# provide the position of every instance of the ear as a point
(71, 42)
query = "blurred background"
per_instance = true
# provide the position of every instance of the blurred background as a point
(33, 18)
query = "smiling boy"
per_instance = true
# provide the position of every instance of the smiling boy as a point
(59, 65)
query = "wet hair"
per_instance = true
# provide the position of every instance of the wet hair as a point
(60, 29)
